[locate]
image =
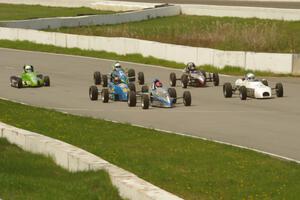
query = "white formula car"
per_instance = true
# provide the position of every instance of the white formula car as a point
(253, 88)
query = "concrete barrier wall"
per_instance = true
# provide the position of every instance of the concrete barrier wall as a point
(75, 159)
(244, 12)
(45, 23)
(274, 62)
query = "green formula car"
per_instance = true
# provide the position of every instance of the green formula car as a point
(29, 79)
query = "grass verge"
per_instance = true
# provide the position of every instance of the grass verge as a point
(136, 58)
(191, 168)
(28, 176)
(226, 33)
(21, 12)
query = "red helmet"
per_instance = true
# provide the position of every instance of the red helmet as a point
(158, 83)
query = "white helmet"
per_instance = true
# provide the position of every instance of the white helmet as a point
(28, 68)
(250, 76)
(117, 65)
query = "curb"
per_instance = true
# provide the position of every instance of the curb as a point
(75, 159)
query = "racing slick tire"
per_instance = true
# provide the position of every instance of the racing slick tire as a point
(172, 79)
(187, 98)
(243, 93)
(184, 80)
(93, 93)
(265, 82)
(16, 82)
(145, 101)
(131, 99)
(173, 94)
(97, 78)
(46, 81)
(227, 90)
(279, 89)
(131, 86)
(145, 89)
(131, 75)
(104, 95)
(141, 78)
(105, 81)
(216, 79)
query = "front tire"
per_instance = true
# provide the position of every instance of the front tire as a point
(46, 81)
(243, 93)
(173, 94)
(227, 90)
(184, 80)
(279, 89)
(105, 95)
(93, 93)
(131, 99)
(187, 98)
(145, 101)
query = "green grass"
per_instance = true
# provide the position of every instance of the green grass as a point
(226, 33)
(28, 176)
(136, 58)
(191, 168)
(19, 12)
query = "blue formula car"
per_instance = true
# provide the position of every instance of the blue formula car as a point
(159, 96)
(115, 91)
(119, 72)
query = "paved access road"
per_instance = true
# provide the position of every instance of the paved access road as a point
(268, 125)
(248, 3)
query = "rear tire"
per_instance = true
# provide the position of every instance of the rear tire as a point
(187, 98)
(173, 94)
(93, 93)
(172, 79)
(279, 89)
(18, 82)
(141, 78)
(145, 101)
(227, 90)
(131, 75)
(131, 99)
(105, 80)
(46, 81)
(97, 78)
(216, 79)
(131, 86)
(105, 95)
(184, 80)
(243, 93)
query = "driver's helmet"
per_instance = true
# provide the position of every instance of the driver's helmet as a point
(117, 65)
(157, 83)
(28, 68)
(250, 76)
(191, 66)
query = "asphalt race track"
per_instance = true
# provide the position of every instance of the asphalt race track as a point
(260, 3)
(267, 125)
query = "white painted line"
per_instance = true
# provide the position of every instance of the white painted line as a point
(191, 136)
